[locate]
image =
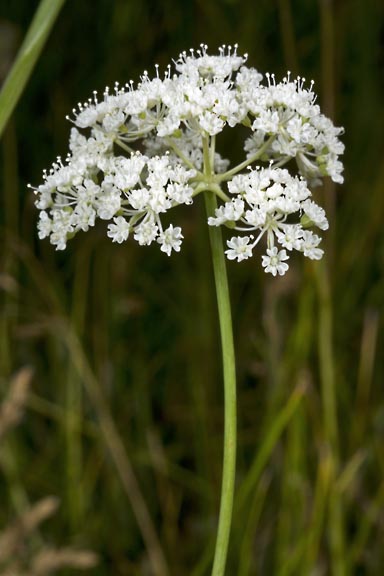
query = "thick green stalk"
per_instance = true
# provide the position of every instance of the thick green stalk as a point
(229, 459)
(41, 25)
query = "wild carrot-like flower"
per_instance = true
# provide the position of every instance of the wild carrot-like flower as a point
(141, 151)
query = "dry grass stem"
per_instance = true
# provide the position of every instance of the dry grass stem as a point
(50, 560)
(12, 409)
(13, 537)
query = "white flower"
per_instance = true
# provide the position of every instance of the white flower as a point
(247, 80)
(118, 231)
(180, 193)
(170, 240)
(274, 191)
(231, 211)
(309, 245)
(334, 169)
(44, 225)
(290, 236)
(87, 116)
(211, 124)
(87, 191)
(202, 64)
(89, 151)
(113, 120)
(83, 217)
(108, 203)
(263, 201)
(267, 121)
(146, 233)
(256, 217)
(316, 214)
(125, 172)
(158, 200)
(274, 263)
(139, 199)
(239, 248)
(61, 228)
(139, 151)
(168, 125)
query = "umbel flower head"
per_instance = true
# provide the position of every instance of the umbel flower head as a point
(140, 151)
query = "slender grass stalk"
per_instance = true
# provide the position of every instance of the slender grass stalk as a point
(41, 25)
(365, 375)
(291, 521)
(118, 453)
(256, 508)
(327, 367)
(73, 420)
(366, 526)
(204, 562)
(10, 470)
(272, 436)
(321, 495)
(328, 382)
(326, 354)
(11, 209)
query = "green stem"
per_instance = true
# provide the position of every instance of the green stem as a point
(229, 373)
(41, 25)
(124, 146)
(181, 155)
(215, 188)
(229, 459)
(239, 167)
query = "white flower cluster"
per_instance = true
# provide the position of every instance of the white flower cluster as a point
(144, 150)
(263, 200)
(287, 111)
(132, 192)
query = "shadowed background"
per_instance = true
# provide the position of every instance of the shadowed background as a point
(124, 331)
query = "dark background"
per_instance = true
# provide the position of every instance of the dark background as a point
(145, 326)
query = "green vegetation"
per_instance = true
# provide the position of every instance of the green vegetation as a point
(123, 422)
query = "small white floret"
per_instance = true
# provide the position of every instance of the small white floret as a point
(239, 248)
(119, 230)
(170, 239)
(273, 261)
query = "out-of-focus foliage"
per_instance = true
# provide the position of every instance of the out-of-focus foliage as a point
(22, 550)
(123, 341)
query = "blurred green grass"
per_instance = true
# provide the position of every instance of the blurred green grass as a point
(147, 334)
